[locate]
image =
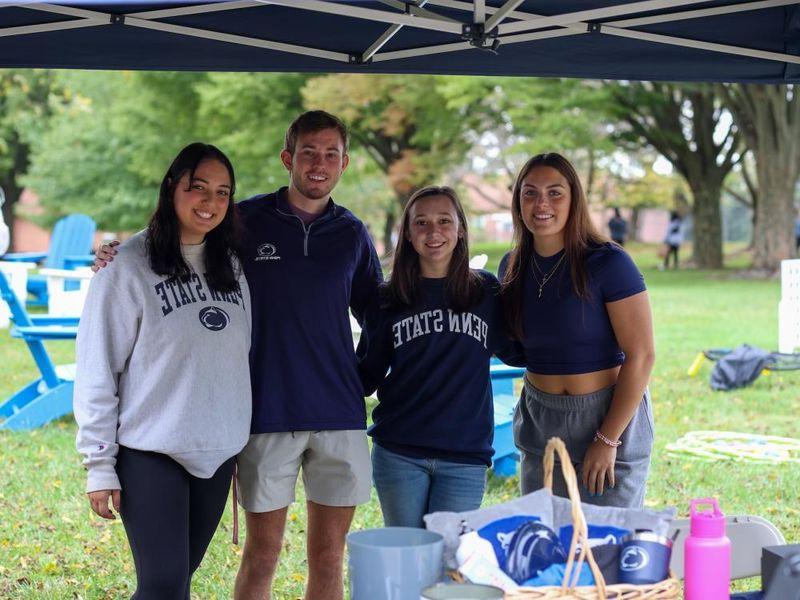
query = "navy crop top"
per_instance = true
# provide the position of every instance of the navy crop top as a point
(565, 335)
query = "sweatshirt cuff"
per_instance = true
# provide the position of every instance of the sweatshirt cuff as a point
(102, 478)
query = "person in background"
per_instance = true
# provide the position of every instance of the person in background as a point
(5, 235)
(162, 391)
(797, 234)
(434, 326)
(673, 240)
(618, 228)
(579, 306)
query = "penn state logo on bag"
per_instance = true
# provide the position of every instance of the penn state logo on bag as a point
(633, 558)
(267, 252)
(214, 318)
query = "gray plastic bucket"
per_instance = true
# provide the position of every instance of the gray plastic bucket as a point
(461, 591)
(393, 563)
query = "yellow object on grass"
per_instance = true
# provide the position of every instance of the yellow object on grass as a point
(694, 369)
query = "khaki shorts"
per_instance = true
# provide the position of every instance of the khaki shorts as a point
(337, 470)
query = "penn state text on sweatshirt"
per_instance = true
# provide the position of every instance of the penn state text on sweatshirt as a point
(565, 334)
(436, 401)
(162, 366)
(304, 279)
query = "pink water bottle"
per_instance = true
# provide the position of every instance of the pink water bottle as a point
(707, 553)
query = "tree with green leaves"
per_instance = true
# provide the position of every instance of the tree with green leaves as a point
(403, 123)
(106, 149)
(519, 117)
(27, 99)
(687, 124)
(769, 118)
(640, 191)
(247, 115)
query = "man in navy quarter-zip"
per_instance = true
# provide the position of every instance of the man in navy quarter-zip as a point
(308, 262)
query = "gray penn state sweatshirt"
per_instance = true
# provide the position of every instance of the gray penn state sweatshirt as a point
(162, 366)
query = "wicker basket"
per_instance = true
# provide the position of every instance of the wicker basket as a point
(669, 589)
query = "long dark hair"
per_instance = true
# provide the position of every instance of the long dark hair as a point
(463, 286)
(163, 234)
(579, 235)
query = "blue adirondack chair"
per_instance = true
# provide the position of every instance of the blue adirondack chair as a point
(49, 396)
(70, 245)
(506, 455)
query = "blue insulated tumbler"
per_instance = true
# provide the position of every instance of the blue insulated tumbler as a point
(644, 558)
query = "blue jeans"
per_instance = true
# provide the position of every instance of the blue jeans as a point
(409, 488)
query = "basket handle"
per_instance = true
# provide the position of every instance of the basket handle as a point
(580, 531)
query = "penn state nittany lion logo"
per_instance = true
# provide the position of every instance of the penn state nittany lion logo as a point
(267, 252)
(214, 318)
(634, 558)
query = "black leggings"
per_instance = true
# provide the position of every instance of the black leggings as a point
(673, 252)
(170, 517)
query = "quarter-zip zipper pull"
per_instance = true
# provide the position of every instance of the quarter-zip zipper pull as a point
(307, 231)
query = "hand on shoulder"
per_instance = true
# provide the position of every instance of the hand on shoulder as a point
(104, 255)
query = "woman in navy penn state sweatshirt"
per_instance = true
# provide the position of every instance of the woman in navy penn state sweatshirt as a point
(434, 326)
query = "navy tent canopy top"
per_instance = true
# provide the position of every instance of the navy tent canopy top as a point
(754, 41)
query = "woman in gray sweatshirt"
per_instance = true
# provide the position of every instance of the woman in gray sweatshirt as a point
(162, 392)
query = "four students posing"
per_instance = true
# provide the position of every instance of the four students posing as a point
(572, 309)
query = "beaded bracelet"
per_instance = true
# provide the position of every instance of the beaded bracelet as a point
(606, 441)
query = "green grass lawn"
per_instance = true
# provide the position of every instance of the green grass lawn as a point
(52, 547)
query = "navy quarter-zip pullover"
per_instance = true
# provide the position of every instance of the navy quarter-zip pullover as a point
(303, 281)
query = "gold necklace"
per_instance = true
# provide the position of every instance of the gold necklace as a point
(545, 276)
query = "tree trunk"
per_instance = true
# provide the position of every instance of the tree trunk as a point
(633, 226)
(707, 249)
(773, 232)
(590, 176)
(769, 116)
(388, 230)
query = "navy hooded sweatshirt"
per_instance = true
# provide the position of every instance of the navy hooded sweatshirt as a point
(436, 401)
(303, 280)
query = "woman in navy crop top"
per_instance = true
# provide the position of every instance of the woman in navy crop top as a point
(435, 325)
(580, 308)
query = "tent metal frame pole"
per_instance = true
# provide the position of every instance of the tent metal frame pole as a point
(501, 13)
(380, 42)
(467, 6)
(514, 14)
(417, 9)
(369, 14)
(593, 15)
(238, 39)
(387, 35)
(479, 12)
(195, 10)
(701, 12)
(744, 6)
(423, 51)
(701, 45)
(68, 11)
(48, 27)
(613, 28)
(415, 16)
(94, 18)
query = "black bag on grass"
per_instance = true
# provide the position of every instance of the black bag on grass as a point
(739, 368)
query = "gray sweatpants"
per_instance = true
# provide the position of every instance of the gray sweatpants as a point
(575, 419)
